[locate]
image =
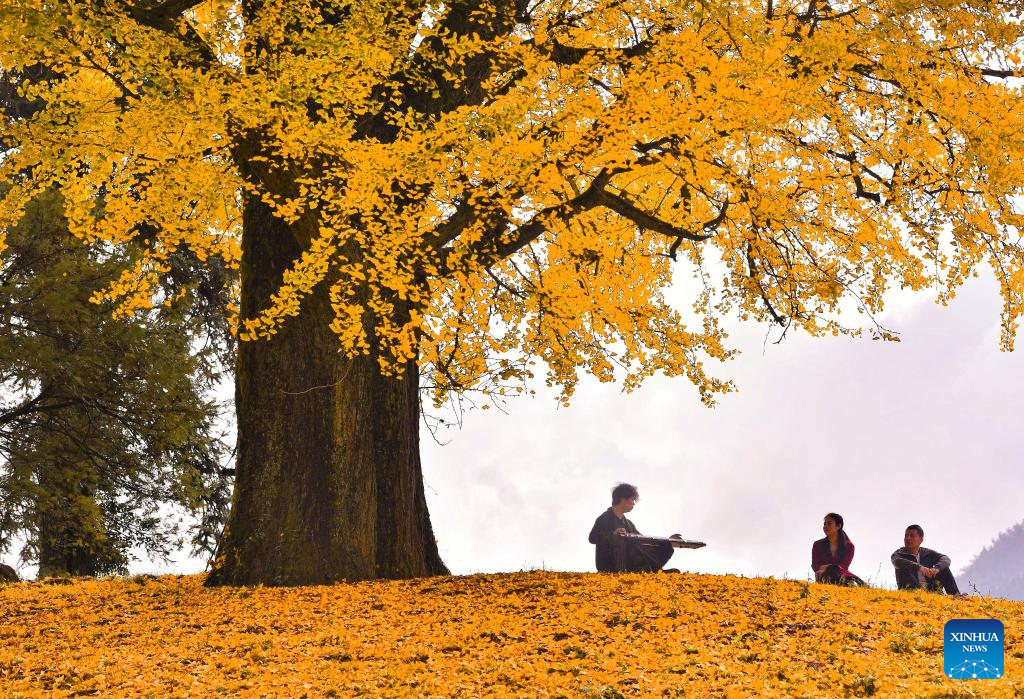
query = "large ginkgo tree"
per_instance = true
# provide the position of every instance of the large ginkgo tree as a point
(441, 197)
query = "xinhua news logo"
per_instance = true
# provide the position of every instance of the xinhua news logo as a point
(973, 649)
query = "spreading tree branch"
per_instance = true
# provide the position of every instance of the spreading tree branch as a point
(641, 218)
(498, 244)
(756, 277)
(168, 17)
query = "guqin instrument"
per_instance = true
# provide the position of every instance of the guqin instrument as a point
(659, 540)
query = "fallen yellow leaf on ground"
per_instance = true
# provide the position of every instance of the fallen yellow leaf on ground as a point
(520, 634)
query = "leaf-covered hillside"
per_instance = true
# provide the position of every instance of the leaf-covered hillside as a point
(525, 634)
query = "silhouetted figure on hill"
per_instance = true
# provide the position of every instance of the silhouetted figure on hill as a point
(616, 553)
(918, 567)
(831, 556)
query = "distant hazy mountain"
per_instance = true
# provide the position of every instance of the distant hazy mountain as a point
(998, 571)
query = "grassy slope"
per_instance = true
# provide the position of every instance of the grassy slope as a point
(526, 634)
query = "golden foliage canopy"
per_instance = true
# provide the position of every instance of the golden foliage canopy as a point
(522, 179)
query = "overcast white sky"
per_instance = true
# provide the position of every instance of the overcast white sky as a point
(925, 430)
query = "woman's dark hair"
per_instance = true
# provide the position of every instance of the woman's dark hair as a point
(624, 491)
(841, 537)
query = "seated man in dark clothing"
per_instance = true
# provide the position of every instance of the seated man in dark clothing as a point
(617, 554)
(918, 567)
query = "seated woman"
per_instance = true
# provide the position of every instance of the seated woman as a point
(831, 556)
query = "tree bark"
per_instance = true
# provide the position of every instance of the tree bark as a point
(59, 556)
(66, 544)
(328, 483)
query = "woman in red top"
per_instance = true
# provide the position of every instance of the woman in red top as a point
(831, 556)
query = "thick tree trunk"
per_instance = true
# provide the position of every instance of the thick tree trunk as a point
(59, 556)
(328, 483)
(66, 544)
(56, 560)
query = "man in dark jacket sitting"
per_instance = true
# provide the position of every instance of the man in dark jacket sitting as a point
(617, 554)
(918, 567)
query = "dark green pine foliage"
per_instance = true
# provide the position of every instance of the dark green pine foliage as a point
(108, 432)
